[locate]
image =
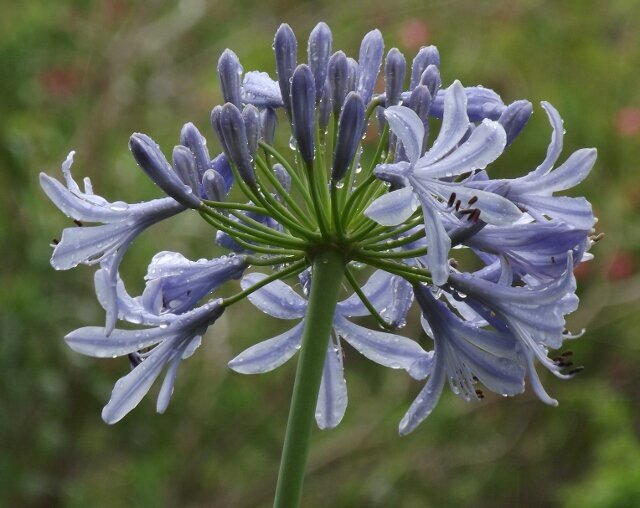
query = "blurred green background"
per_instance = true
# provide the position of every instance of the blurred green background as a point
(84, 75)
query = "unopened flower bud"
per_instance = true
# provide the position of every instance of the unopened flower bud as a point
(230, 73)
(431, 79)
(514, 118)
(285, 47)
(427, 55)
(251, 118)
(303, 95)
(338, 79)
(353, 75)
(324, 108)
(191, 138)
(151, 160)
(268, 123)
(234, 139)
(213, 185)
(369, 63)
(283, 176)
(349, 135)
(318, 51)
(395, 68)
(184, 164)
(420, 101)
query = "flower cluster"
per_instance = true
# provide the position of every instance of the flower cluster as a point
(403, 209)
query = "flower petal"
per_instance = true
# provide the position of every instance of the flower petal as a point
(332, 397)
(407, 126)
(455, 122)
(276, 298)
(393, 208)
(426, 400)
(130, 389)
(485, 144)
(555, 146)
(387, 349)
(260, 90)
(269, 354)
(438, 242)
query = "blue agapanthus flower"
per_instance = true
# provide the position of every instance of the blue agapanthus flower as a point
(365, 240)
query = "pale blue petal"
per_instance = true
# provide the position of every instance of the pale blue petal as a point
(260, 90)
(494, 208)
(408, 128)
(555, 146)
(574, 211)
(276, 298)
(387, 349)
(438, 242)
(575, 169)
(93, 341)
(166, 390)
(426, 400)
(393, 208)
(485, 144)
(269, 354)
(454, 124)
(130, 389)
(376, 289)
(332, 397)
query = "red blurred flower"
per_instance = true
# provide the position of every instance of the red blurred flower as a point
(414, 33)
(628, 121)
(621, 266)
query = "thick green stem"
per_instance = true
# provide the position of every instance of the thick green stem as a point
(328, 269)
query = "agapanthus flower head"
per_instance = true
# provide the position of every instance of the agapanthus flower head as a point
(325, 212)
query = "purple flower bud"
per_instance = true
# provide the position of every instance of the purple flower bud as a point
(213, 186)
(151, 160)
(230, 73)
(324, 108)
(420, 101)
(303, 94)
(268, 123)
(221, 165)
(283, 176)
(251, 118)
(427, 55)
(286, 50)
(514, 118)
(191, 138)
(318, 51)
(349, 135)
(338, 79)
(369, 64)
(184, 164)
(431, 79)
(235, 139)
(352, 81)
(395, 68)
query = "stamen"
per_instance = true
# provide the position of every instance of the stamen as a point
(573, 372)
(567, 353)
(55, 241)
(473, 200)
(480, 394)
(78, 223)
(452, 199)
(458, 204)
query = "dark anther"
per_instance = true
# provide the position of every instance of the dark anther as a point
(573, 372)
(473, 200)
(55, 241)
(467, 211)
(475, 215)
(458, 204)
(553, 259)
(77, 223)
(452, 199)
(134, 360)
(453, 263)
(567, 353)
(480, 394)
(597, 238)
(475, 378)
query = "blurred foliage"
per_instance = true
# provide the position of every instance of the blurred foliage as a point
(83, 75)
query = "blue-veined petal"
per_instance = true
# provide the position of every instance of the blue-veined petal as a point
(407, 126)
(166, 389)
(574, 211)
(332, 397)
(393, 208)
(455, 123)
(269, 354)
(426, 400)
(276, 298)
(387, 349)
(485, 145)
(438, 241)
(555, 146)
